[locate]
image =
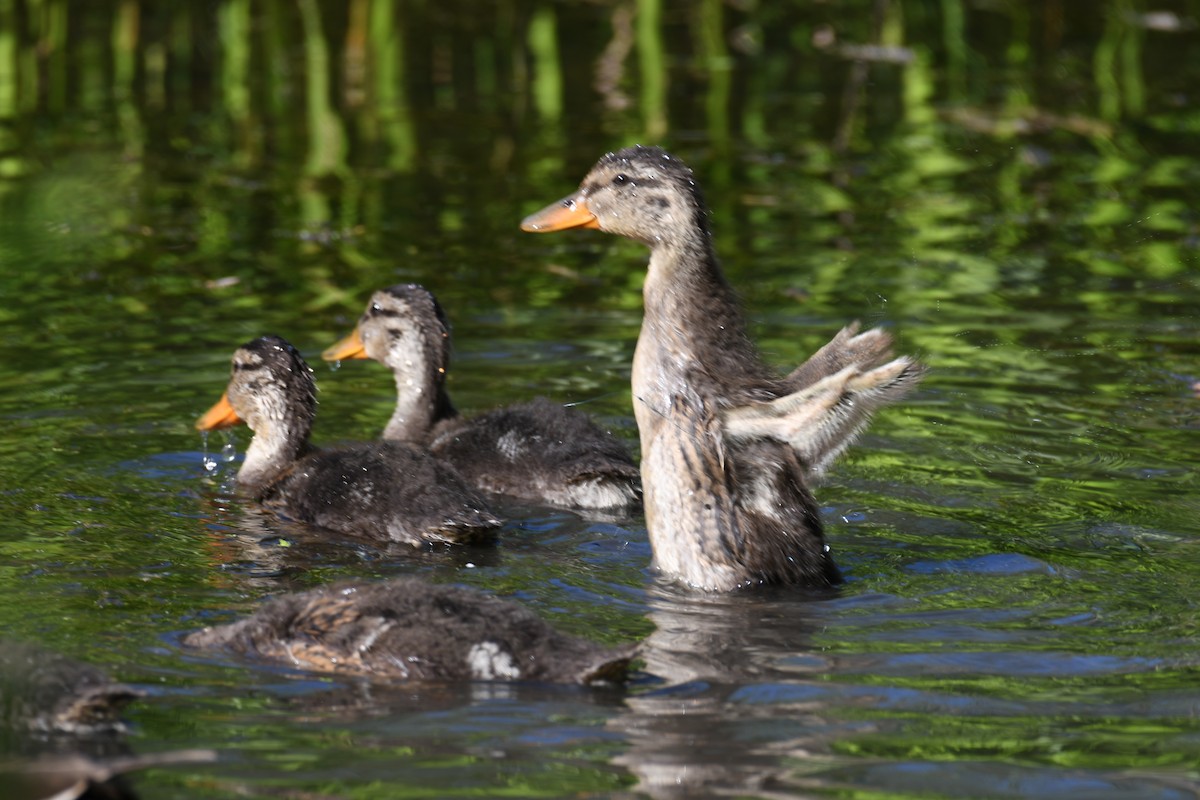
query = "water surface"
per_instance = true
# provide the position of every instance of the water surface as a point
(1011, 190)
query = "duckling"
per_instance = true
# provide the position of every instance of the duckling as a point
(41, 690)
(728, 445)
(388, 491)
(538, 450)
(407, 629)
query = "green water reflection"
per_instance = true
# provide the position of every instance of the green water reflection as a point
(1010, 187)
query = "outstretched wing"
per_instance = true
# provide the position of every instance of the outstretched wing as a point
(821, 419)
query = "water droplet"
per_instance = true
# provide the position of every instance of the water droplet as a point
(334, 366)
(210, 463)
(228, 452)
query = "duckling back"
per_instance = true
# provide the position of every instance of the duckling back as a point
(407, 629)
(387, 491)
(544, 452)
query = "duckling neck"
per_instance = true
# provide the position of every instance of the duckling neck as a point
(692, 327)
(419, 407)
(276, 446)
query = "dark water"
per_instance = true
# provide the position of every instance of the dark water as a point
(1013, 193)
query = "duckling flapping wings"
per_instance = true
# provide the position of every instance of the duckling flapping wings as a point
(867, 350)
(821, 419)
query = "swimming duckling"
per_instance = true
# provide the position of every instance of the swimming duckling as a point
(44, 691)
(537, 450)
(407, 629)
(727, 444)
(387, 491)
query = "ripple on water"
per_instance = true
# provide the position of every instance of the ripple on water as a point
(889, 698)
(1042, 663)
(990, 564)
(993, 781)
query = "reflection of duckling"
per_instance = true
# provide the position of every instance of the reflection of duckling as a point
(385, 490)
(726, 443)
(407, 629)
(537, 450)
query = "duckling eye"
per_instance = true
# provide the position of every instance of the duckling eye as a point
(376, 308)
(620, 180)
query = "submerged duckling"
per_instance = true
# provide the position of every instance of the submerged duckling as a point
(387, 491)
(538, 450)
(407, 630)
(727, 443)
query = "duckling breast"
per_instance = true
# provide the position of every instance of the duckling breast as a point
(723, 514)
(545, 452)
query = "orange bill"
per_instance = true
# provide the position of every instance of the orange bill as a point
(219, 416)
(350, 347)
(570, 212)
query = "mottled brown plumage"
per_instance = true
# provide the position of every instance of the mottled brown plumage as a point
(727, 443)
(536, 450)
(407, 629)
(388, 491)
